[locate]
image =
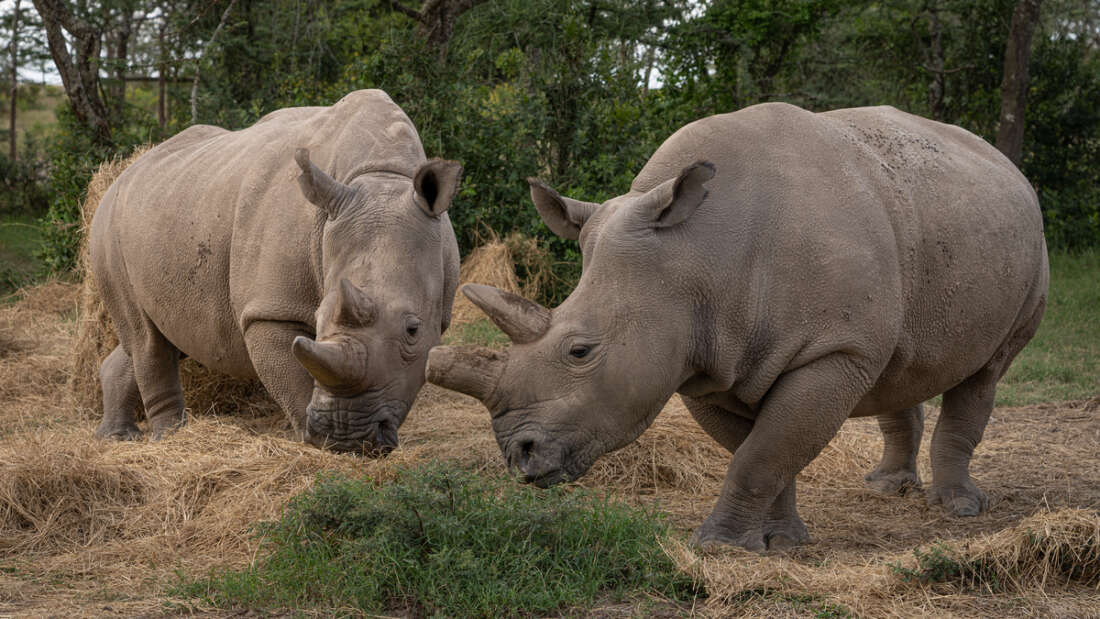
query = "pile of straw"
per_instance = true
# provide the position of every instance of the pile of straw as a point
(494, 262)
(1050, 548)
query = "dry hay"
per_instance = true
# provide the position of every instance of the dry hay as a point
(494, 262)
(674, 454)
(204, 391)
(1046, 549)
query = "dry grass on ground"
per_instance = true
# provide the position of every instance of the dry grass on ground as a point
(101, 528)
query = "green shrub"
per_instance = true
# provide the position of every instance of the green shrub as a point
(22, 182)
(440, 539)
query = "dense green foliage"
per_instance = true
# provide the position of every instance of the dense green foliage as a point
(20, 238)
(580, 93)
(440, 539)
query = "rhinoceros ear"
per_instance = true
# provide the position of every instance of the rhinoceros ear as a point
(521, 320)
(319, 188)
(676, 199)
(436, 184)
(564, 216)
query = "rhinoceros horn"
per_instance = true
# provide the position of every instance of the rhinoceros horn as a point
(319, 188)
(335, 365)
(353, 307)
(473, 370)
(521, 320)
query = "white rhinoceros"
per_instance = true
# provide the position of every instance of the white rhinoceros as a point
(783, 271)
(208, 246)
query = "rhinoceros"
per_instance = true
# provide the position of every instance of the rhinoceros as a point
(782, 271)
(238, 248)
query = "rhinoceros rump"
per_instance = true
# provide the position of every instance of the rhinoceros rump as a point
(782, 271)
(207, 246)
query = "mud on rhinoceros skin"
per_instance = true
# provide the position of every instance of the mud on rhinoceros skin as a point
(782, 271)
(311, 250)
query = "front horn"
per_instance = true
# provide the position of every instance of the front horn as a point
(473, 370)
(521, 320)
(333, 364)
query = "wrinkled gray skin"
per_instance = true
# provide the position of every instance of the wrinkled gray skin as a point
(237, 250)
(783, 271)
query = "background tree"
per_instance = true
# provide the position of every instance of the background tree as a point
(581, 92)
(1010, 133)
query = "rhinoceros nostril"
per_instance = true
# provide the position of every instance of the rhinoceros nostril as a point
(525, 449)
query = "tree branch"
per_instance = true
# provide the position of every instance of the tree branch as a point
(198, 62)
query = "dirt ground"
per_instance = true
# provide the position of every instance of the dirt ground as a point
(91, 528)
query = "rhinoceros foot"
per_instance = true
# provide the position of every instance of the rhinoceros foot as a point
(898, 482)
(118, 432)
(709, 538)
(961, 500)
(163, 425)
(786, 533)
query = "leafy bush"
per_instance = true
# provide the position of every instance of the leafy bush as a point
(74, 157)
(440, 539)
(22, 182)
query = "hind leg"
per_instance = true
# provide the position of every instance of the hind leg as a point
(120, 397)
(156, 369)
(783, 528)
(966, 410)
(901, 433)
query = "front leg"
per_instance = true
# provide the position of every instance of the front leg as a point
(268, 344)
(801, 414)
(783, 528)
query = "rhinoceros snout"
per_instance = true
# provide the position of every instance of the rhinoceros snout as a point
(538, 463)
(351, 430)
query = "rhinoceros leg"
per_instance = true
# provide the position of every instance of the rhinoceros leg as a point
(156, 365)
(800, 415)
(901, 433)
(120, 397)
(269, 348)
(966, 410)
(782, 527)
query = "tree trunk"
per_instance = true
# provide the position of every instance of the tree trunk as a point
(436, 19)
(162, 111)
(80, 77)
(936, 65)
(1010, 131)
(14, 73)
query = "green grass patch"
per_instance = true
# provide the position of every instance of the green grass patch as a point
(481, 332)
(1060, 363)
(443, 540)
(20, 240)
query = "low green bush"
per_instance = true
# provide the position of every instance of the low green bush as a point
(441, 539)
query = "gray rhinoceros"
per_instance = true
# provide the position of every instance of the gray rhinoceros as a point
(207, 246)
(783, 271)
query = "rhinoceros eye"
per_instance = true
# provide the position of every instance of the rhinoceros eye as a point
(412, 327)
(579, 351)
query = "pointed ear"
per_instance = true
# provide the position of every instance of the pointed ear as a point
(676, 199)
(521, 320)
(564, 216)
(319, 188)
(436, 184)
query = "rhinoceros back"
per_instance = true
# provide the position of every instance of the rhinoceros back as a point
(864, 229)
(209, 231)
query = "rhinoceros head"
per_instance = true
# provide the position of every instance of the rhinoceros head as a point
(384, 302)
(589, 376)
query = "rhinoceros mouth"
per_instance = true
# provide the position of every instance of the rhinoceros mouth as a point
(351, 425)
